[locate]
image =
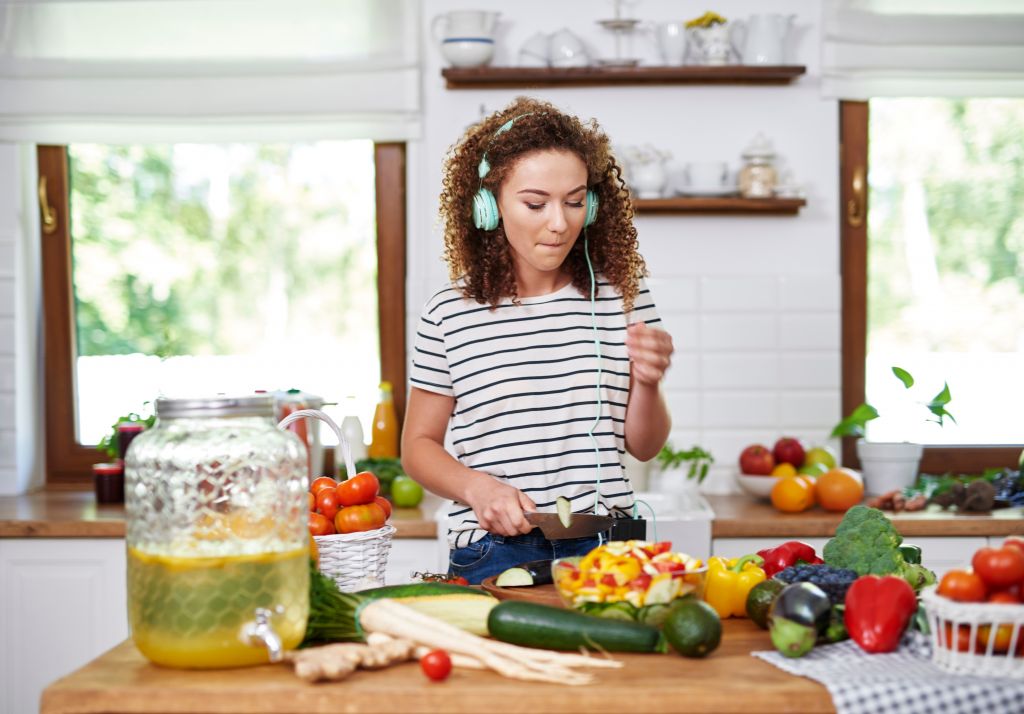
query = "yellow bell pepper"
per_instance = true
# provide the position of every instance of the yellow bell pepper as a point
(729, 581)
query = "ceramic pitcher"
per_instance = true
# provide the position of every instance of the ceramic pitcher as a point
(713, 43)
(762, 38)
(464, 25)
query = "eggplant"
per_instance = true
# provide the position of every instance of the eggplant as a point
(535, 572)
(540, 570)
(798, 616)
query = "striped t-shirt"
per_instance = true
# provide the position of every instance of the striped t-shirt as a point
(524, 381)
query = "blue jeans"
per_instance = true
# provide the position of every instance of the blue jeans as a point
(493, 554)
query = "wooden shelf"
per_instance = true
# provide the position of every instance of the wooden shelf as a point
(505, 77)
(720, 205)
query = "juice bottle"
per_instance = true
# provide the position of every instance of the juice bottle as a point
(384, 436)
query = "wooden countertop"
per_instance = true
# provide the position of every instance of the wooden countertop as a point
(746, 517)
(75, 514)
(729, 680)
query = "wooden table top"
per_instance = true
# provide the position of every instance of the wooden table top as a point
(747, 517)
(729, 680)
(75, 514)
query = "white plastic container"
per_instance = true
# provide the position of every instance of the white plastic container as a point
(888, 466)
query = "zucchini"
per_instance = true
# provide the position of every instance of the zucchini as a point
(564, 508)
(552, 628)
(514, 578)
(418, 590)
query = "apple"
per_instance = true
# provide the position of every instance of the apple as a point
(757, 460)
(820, 455)
(790, 451)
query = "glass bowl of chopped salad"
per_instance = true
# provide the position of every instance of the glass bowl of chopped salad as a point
(628, 580)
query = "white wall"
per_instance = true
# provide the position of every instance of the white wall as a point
(752, 302)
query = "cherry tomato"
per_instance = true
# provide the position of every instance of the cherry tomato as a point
(962, 585)
(999, 567)
(457, 580)
(319, 525)
(385, 504)
(962, 642)
(327, 503)
(1004, 634)
(322, 482)
(436, 664)
(354, 519)
(358, 490)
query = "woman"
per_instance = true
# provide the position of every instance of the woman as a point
(541, 377)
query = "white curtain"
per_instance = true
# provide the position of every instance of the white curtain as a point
(930, 48)
(208, 70)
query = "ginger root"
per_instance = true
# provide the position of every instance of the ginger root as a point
(335, 662)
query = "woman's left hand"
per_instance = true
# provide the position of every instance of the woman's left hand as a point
(650, 351)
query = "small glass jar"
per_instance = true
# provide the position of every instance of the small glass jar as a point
(218, 546)
(109, 482)
(758, 177)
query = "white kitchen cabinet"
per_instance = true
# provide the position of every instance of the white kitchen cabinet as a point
(410, 555)
(937, 553)
(62, 603)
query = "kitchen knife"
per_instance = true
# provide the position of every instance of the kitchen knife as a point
(582, 525)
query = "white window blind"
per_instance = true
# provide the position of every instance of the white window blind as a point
(208, 70)
(923, 48)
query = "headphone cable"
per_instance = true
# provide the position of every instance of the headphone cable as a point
(597, 353)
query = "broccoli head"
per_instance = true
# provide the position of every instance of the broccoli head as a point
(867, 543)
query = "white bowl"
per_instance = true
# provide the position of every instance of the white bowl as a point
(760, 486)
(468, 53)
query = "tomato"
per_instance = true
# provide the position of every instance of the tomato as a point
(385, 504)
(1010, 596)
(657, 548)
(358, 490)
(322, 482)
(962, 585)
(1004, 633)
(355, 519)
(327, 503)
(319, 525)
(1014, 542)
(456, 580)
(312, 500)
(436, 664)
(641, 582)
(999, 567)
(963, 638)
(664, 567)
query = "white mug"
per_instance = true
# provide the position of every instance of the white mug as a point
(707, 174)
(671, 42)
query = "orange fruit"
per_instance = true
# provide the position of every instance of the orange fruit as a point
(839, 489)
(792, 494)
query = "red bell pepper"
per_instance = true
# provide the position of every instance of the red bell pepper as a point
(878, 610)
(791, 552)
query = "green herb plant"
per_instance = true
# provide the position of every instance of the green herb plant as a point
(108, 444)
(698, 459)
(853, 425)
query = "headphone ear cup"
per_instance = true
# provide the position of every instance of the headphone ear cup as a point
(485, 210)
(591, 208)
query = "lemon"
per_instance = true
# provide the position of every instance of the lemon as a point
(784, 469)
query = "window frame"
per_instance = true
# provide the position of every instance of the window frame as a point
(853, 156)
(69, 463)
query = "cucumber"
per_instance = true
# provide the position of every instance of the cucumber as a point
(419, 590)
(551, 628)
(620, 610)
(564, 508)
(514, 578)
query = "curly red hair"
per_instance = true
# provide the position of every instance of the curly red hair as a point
(481, 259)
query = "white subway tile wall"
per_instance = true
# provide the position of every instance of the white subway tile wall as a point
(9, 197)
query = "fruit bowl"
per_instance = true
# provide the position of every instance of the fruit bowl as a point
(760, 486)
(628, 580)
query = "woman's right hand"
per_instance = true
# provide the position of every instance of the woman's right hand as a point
(499, 507)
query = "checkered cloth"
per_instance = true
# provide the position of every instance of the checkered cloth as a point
(904, 681)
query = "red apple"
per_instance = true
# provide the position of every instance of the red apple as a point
(789, 450)
(756, 460)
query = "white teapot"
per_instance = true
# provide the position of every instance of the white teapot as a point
(762, 38)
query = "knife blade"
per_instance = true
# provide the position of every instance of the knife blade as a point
(582, 525)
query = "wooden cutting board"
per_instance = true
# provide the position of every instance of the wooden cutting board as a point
(543, 594)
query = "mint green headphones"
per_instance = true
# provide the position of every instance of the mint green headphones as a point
(485, 206)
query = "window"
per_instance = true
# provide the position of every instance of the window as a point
(203, 268)
(933, 239)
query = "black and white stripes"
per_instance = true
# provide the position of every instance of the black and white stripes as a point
(524, 382)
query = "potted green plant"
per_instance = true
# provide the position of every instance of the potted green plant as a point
(680, 473)
(888, 466)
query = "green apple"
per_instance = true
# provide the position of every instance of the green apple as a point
(820, 455)
(406, 493)
(814, 470)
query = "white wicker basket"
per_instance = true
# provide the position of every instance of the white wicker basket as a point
(947, 619)
(352, 560)
(355, 561)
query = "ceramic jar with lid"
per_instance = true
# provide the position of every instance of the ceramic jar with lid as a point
(218, 546)
(758, 177)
